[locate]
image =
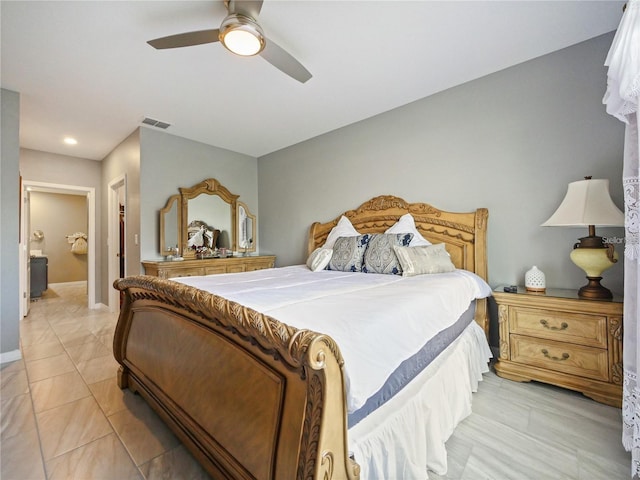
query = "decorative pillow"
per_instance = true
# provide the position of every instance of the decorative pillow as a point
(425, 259)
(406, 224)
(319, 259)
(348, 253)
(379, 256)
(344, 228)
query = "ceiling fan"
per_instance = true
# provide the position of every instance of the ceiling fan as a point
(241, 34)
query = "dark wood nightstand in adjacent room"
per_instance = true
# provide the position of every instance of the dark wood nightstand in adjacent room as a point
(555, 337)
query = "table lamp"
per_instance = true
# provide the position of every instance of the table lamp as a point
(587, 204)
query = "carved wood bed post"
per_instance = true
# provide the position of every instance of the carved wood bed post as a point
(325, 423)
(119, 339)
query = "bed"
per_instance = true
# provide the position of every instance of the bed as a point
(252, 396)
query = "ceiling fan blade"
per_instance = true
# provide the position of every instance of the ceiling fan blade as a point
(282, 60)
(185, 39)
(248, 8)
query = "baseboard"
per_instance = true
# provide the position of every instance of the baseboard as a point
(11, 356)
(77, 282)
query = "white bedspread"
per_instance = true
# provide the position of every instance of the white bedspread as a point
(377, 320)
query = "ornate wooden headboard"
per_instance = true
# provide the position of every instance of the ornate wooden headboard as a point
(464, 234)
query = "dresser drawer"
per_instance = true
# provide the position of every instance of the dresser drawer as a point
(259, 266)
(235, 268)
(582, 329)
(215, 270)
(562, 357)
(185, 272)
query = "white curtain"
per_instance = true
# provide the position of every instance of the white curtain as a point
(621, 99)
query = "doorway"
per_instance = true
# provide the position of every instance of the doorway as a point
(26, 234)
(117, 237)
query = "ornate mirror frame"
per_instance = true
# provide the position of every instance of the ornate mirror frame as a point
(211, 186)
(166, 225)
(251, 232)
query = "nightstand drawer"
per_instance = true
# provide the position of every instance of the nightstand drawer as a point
(582, 329)
(562, 357)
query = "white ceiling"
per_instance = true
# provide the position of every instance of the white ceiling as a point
(84, 68)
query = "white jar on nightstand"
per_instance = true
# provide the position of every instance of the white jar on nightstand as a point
(534, 280)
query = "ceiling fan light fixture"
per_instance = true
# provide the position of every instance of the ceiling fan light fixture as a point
(241, 35)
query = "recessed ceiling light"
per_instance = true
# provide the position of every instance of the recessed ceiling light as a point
(70, 141)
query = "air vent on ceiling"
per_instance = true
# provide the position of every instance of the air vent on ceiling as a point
(156, 123)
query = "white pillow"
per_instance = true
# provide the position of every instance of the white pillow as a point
(424, 259)
(406, 224)
(344, 228)
(319, 259)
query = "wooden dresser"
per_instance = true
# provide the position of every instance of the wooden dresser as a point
(558, 338)
(208, 266)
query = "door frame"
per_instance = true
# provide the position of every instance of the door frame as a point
(90, 194)
(113, 237)
(25, 265)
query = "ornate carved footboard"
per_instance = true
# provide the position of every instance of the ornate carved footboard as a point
(250, 396)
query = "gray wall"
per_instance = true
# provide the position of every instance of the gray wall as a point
(9, 238)
(123, 160)
(510, 141)
(169, 162)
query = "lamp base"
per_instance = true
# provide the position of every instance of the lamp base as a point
(594, 291)
(594, 260)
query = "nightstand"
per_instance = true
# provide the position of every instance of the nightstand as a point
(555, 337)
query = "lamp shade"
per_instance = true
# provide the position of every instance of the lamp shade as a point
(587, 202)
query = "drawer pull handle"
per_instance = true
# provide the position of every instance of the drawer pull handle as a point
(545, 352)
(563, 325)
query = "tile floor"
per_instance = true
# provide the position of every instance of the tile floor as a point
(63, 416)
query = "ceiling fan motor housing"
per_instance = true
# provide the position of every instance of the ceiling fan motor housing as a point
(241, 35)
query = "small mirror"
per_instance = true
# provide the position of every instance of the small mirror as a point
(170, 227)
(246, 229)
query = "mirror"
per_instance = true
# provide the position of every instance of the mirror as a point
(210, 213)
(246, 229)
(170, 226)
(208, 208)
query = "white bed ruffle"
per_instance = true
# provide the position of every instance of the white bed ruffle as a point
(407, 435)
